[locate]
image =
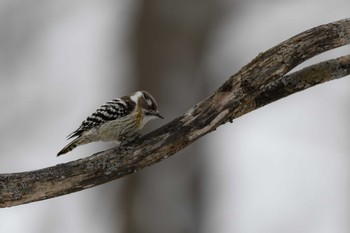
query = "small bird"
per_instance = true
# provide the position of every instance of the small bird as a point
(117, 120)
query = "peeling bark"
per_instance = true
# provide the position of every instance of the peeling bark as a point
(260, 82)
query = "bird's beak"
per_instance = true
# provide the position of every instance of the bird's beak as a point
(158, 115)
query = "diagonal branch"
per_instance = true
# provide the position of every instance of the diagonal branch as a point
(260, 82)
(304, 79)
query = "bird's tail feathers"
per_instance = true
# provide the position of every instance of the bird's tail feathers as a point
(71, 146)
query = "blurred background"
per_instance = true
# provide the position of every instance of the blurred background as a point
(282, 168)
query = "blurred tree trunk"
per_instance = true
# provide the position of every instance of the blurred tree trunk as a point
(170, 40)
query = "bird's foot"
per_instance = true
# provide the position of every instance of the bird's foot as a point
(126, 140)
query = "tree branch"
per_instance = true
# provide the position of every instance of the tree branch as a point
(260, 82)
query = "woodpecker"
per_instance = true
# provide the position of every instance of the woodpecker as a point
(117, 120)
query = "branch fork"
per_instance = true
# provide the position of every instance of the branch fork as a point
(257, 84)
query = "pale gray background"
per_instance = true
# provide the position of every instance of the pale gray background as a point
(283, 168)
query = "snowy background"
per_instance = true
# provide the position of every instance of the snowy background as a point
(282, 168)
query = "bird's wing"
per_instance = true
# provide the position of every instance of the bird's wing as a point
(110, 111)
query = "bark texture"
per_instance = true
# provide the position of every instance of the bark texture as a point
(260, 82)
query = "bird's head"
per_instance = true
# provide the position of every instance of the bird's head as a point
(148, 106)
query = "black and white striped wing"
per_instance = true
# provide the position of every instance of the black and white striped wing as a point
(110, 111)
